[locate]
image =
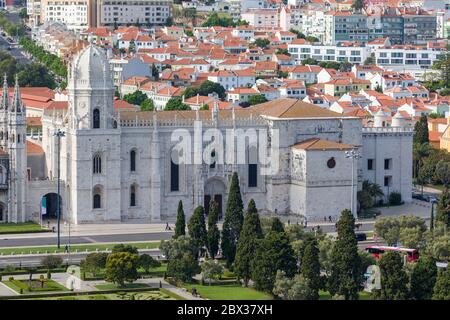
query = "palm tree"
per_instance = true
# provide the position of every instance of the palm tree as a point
(369, 193)
(420, 151)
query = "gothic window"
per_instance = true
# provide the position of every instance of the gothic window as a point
(133, 196)
(213, 160)
(97, 197)
(133, 160)
(18, 138)
(97, 164)
(252, 167)
(174, 176)
(96, 119)
(3, 175)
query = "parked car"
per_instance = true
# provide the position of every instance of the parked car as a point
(361, 236)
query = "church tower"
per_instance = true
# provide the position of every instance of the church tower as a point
(4, 116)
(17, 158)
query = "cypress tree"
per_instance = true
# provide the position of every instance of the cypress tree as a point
(233, 220)
(197, 228)
(421, 131)
(346, 268)
(441, 289)
(443, 208)
(310, 268)
(274, 253)
(247, 244)
(180, 225)
(277, 225)
(423, 278)
(393, 277)
(213, 230)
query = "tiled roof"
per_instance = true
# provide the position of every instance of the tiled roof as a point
(317, 144)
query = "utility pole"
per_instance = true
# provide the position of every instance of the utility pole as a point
(353, 155)
(58, 135)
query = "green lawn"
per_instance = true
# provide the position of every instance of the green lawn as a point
(113, 286)
(74, 248)
(35, 286)
(146, 295)
(228, 292)
(25, 227)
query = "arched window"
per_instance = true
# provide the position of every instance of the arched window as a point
(252, 167)
(97, 197)
(174, 172)
(133, 160)
(97, 164)
(18, 138)
(133, 196)
(96, 119)
(213, 160)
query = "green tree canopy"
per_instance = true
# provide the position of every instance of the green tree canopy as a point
(310, 268)
(248, 243)
(180, 225)
(213, 234)
(393, 278)
(256, 99)
(121, 267)
(176, 104)
(136, 98)
(421, 131)
(197, 228)
(346, 267)
(441, 289)
(423, 278)
(234, 218)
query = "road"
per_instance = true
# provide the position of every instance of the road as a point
(51, 240)
(75, 258)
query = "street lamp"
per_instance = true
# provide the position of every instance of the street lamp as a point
(59, 134)
(353, 155)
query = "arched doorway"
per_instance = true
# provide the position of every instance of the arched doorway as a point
(2, 212)
(215, 189)
(49, 205)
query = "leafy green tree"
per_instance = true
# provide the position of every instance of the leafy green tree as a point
(181, 262)
(233, 221)
(299, 34)
(358, 5)
(213, 234)
(147, 262)
(310, 268)
(136, 98)
(393, 278)
(346, 268)
(421, 131)
(423, 278)
(121, 267)
(420, 152)
(410, 229)
(277, 225)
(176, 104)
(256, 99)
(443, 208)
(310, 61)
(325, 254)
(23, 13)
(180, 225)
(442, 64)
(197, 228)
(297, 288)
(442, 172)
(248, 243)
(368, 194)
(262, 43)
(274, 253)
(124, 248)
(441, 289)
(312, 39)
(147, 105)
(51, 262)
(211, 269)
(94, 262)
(208, 87)
(215, 20)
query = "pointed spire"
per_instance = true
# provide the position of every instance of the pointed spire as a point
(16, 105)
(5, 100)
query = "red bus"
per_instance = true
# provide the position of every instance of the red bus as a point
(376, 251)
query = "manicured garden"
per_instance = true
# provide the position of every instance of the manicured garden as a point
(130, 295)
(34, 285)
(73, 248)
(26, 227)
(114, 286)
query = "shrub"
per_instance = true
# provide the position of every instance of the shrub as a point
(49, 274)
(395, 199)
(11, 278)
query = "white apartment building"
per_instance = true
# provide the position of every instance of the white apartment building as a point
(405, 58)
(133, 11)
(73, 13)
(236, 7)
(33, 11)
(262, 18)
(300, 51)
